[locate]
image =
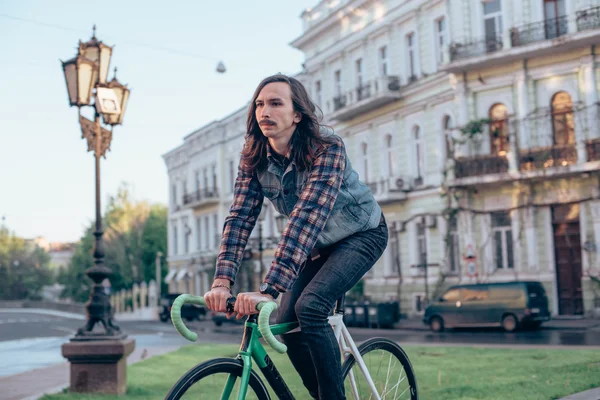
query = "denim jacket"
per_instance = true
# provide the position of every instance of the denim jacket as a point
(354, 210)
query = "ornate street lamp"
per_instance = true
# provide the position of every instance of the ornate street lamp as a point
(280, 222)
(98, 359)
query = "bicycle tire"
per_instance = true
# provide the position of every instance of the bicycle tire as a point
(217, 366)
(395, 350)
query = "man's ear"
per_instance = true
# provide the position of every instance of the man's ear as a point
(297, 117)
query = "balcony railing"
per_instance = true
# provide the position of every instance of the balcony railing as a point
(480, 165)
(362, 92)
(474, 48)
(546, 157)
(588, 19)
(592, 148)
(538, 31)
(369, 96)
(201, 196)
(339, 102)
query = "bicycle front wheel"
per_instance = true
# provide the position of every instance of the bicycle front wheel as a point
(389, 368)
(217, 379)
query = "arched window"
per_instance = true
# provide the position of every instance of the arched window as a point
(447, 126)
(419, 153)
(563, 122)
(499, 129)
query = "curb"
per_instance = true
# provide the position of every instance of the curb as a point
(63, 314)
(592, 394)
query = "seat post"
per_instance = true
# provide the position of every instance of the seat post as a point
(339, 306)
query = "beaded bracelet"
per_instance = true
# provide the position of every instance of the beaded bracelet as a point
(216, 285)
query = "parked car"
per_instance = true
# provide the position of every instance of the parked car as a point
(189, 311)
(219, 318)
(509, 305)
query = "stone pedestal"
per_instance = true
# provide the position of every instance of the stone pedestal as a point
(98, 366)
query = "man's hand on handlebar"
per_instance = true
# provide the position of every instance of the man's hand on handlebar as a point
(246, 303)
(216, 300)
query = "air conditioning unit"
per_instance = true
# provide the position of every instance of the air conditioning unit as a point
(401, 184)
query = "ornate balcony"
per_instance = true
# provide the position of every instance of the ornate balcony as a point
(538, 31)
(546, 157)
(588, 19)
(201, 198)
(480, 165)
(592, 148)
(459, 51)
(373, 94)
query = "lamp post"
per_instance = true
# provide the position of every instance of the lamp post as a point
(97, 358)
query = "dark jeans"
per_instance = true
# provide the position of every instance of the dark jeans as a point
(314, 351)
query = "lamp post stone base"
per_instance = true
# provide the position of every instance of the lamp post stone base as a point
(98, 366)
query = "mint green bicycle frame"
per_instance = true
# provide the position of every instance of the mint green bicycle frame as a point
(256, 327)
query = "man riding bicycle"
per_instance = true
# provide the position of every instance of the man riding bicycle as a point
(334, 235)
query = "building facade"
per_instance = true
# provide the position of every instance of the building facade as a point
(475, 123)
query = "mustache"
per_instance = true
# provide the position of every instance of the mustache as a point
(267, 122)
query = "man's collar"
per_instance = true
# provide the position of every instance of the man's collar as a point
(272, 155)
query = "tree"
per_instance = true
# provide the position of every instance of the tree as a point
(135, 231)
(24, 267)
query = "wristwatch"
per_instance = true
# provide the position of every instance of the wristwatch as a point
(265, 288)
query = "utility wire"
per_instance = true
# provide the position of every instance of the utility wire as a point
(133, 43)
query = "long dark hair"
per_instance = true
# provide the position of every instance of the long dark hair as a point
(305, 141)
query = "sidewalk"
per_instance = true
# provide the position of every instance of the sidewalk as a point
(32, 385)
(557, 323)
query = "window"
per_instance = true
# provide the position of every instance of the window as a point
(451, 295)
(499, 132)
(197, 180)
(198, 232)
(217, 230)
(563, 121)
(447, 126)
(174, 195)
(383, 62)
(421, 244)
(365, 161)
(214, 179)
(338, 83)
(555, 23)
(410, 46)
(503, 242)
(359, 76)
(318, 93)
(440, 40)
(231, 175)
(393, 268)
(175, 246)
(206, 242)
(475, 293)
(184, 189)
(391, 163)
(186, 237)
(205, 179)
(419, 154)
(453, 246)
(492, 22)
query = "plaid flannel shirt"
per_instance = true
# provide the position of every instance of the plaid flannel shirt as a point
(306, 221)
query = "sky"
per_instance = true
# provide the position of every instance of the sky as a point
(166, 52)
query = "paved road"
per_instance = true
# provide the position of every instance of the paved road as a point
(31, 340)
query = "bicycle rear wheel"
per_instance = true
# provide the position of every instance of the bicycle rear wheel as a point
(208, 380)
(390, 370)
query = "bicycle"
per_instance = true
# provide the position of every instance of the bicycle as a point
(255, 327)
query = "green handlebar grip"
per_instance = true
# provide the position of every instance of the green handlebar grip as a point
(176, 314)
(263, 325)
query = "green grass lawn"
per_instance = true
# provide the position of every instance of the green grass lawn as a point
(442, 373)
